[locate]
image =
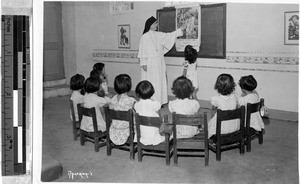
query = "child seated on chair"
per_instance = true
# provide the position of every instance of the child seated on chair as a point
(76, 85)
(91, 99)
(100, 67)
(96, 73)
(249, 95)
(225, 100)
(184, 104)
(119, 130)
(148, 107)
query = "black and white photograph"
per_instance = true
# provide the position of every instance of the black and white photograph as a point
(105, 96)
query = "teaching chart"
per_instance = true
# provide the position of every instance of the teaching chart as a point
(190, 19)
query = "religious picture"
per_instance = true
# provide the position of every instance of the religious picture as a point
(123, 36)
(291, 30)
(189, 18)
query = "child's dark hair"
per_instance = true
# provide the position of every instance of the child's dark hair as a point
(144, 90)
(92, 84)
(122, 83)
(225, 84)
(96, 73)
(248, 83)
(98, 66)
(77, 82)
(182, 87)
(190, 54)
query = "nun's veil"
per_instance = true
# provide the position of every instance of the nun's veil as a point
(148, 24)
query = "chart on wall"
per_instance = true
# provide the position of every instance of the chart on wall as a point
(209, 21)
(190, 19)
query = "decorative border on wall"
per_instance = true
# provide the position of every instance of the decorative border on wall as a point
(128, 54)
(263, 60)
(239, 68)
(130, 57)
(286, 58)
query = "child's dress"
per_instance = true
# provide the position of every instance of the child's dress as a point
(191, 73)
(186, 107)
(256, 120)
(92, 100)
(223, 102)
(149, 135)
(77, 98)
(119, 130)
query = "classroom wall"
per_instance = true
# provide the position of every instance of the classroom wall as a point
(253, 30)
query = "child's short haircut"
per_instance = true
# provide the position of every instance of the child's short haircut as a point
(91, 85)
(190, 54)
(96, 73)
(182, 87)
(225, 84)
(248, 83)
(122, 83)
(77, 82)
(144, 90)
(98, 66)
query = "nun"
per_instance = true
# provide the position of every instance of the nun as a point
(152, 48)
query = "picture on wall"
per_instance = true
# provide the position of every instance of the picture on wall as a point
(291, 28)
(124, 36)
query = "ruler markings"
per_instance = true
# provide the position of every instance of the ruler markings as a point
(15, 69)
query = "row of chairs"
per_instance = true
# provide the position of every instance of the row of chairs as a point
(198, 145)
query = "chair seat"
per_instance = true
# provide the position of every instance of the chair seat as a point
(101, 135)
(228, 138)
(159, 147)
(252, 131)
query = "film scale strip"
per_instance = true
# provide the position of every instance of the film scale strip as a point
(15, 69)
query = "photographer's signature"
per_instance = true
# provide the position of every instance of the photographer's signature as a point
(83, 175)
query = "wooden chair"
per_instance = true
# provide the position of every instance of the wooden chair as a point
(250, 132)
(97, 137)
(123, 116)
(221, 142)
(163, 149)
(76, 123)
(198, 143)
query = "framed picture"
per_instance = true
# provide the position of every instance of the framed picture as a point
(291, 28)
(124, 36)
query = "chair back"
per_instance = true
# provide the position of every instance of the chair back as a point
(252, 108)
(147, 121)
(89, 112)
(230, 115)
(111, 114)
(197, 120)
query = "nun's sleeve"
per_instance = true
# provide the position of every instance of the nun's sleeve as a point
(168, 39)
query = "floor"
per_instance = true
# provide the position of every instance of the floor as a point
(276, 161)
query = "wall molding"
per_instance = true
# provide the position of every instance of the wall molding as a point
(255, 57)
(130, 57)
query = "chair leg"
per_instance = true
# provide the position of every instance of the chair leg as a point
(96, 144)
(168, 154)
(242, 148)
(131, 151)
(175, 156)
(218, 154)
(260, 137)
(139, 153)
(74, 131)
(206, 152)
(82, 138)
(108, 147)
(248, 144)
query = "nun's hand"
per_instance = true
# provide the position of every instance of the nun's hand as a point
(144, 67)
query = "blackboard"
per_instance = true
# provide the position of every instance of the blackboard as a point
(213, 29)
